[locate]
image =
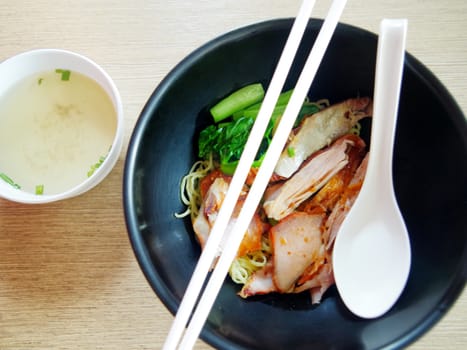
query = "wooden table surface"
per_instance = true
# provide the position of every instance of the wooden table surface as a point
(68, 276)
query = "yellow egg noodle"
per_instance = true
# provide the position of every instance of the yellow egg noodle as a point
(190, 194)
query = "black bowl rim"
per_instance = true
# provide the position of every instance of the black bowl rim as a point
(137, 243)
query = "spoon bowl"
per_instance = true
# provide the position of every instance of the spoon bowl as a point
(372, 256)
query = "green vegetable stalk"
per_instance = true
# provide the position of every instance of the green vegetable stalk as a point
(39, 189)
(237, 101)
(9, 181)
(95, 166)
(65, 74)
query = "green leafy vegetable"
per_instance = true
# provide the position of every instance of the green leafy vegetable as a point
(39, 189)
(237, 101)
(65, 74)
(9, 181)
(226, 140)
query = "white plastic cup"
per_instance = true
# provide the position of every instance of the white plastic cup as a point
(29, 63)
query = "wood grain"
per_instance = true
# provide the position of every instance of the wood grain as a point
(68, 276)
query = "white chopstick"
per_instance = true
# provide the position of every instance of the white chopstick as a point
(211, 248)
(262, 178)
(264, 174)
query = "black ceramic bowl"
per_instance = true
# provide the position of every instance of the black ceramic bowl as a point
(430, 172)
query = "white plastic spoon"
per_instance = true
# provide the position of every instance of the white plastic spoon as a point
(371, 257)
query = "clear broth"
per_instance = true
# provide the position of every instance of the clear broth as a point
(52, 131)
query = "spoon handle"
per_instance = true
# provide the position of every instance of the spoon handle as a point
(389, 68)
